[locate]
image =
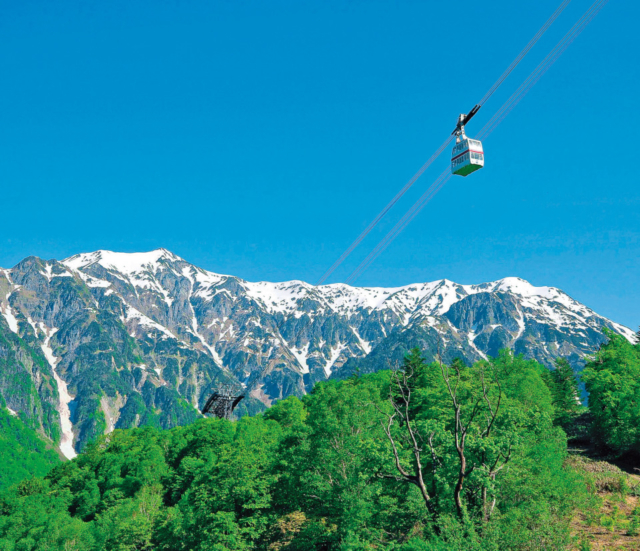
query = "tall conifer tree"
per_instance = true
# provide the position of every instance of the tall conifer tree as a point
(565, 392)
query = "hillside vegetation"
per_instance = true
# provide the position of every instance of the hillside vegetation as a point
(23, 451)
(612, 379)
(430, 457)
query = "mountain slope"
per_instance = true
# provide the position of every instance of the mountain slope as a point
(24, 453)
(114, 340)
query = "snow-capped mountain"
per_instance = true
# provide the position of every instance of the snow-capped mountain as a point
(106, 340)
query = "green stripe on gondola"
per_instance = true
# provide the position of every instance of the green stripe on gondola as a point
(467, 169)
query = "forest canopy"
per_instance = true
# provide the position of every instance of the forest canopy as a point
(428, 457)
(612, 379)
(23, 451)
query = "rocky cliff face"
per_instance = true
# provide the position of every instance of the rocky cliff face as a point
(108, 340)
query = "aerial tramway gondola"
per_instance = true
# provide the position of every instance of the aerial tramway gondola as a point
(467, 155)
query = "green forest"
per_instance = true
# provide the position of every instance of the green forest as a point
(427, 457)
(23, 451)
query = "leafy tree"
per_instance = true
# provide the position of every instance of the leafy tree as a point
(288, 413)
(329, 470)
(612, 379)
(24, 453)
(453, 433)
(227, 502)
(564, 390)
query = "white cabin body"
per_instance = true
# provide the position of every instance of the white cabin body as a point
(467, 156)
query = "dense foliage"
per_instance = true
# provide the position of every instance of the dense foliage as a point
(22, 450)
(612, 379)
(432, 457)
(564, 393)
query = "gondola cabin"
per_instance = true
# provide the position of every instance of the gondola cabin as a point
(467, 156)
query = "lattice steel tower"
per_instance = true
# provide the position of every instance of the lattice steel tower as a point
(222, 402)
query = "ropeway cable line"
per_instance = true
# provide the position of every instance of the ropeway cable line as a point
(485, 132)
(488, 128)
(543, 67)
(438, 151)
(518, 59)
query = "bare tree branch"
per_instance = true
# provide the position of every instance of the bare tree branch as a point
(402, 411)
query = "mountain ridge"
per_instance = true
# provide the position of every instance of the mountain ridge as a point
(509, 284)
(143, 338)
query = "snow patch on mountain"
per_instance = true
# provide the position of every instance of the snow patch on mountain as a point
(196, 333)
(49, 274)
(335, 355)
(8, 315)
(5, 307)
(94, 281)
(135, 315)
(523, 288)
(345, 299)
(628, 333)
(278, 297)
(471, 337)
(125, 263)
(521, 324)
(365, 345)
(66, 443)
(302, 355)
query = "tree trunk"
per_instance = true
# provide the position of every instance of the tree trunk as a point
(458, 489)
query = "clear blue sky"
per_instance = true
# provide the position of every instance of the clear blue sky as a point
(260, 138)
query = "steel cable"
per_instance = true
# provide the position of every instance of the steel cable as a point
(542, 68)
(439, 183)
(488, 128)
(524, 52)
(437, 153)
(384, 211)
